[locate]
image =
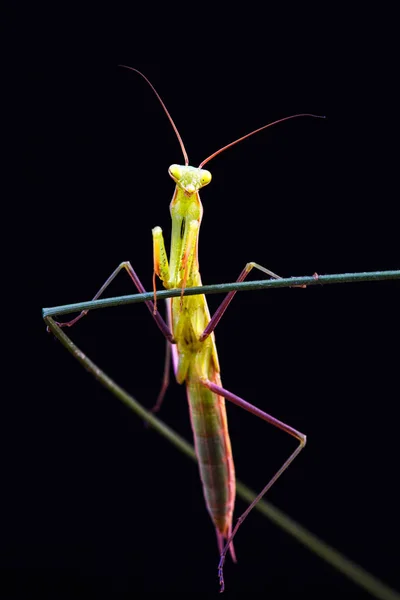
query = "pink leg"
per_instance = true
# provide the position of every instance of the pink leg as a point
(215, 319)
(266, 417)
(165, 379)
(169, 349)
(221, 543)
(128, 267)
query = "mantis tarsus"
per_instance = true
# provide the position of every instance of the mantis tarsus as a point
(189, 331)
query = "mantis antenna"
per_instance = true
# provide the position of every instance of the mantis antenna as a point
(185, 156)
(201, 165)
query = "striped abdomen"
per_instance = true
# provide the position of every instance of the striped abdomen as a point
(213, 449)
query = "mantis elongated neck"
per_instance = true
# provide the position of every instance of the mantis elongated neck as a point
(186, 213)
(184, 209)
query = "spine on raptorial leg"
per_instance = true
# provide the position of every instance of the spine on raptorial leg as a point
(213, 449)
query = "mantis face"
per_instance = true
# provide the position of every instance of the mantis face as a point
(189, 179)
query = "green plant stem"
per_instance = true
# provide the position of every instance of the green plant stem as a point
(349, 568)
(222, 288)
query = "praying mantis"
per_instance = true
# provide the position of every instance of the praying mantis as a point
(190, 341)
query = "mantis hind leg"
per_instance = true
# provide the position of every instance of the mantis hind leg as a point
(217, 389)
(165, 379)
(171, 352)
(231, 546)
(222, 540)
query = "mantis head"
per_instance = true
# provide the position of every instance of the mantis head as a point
(189, 179)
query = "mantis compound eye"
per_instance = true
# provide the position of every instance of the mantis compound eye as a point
(205, 177)
(175, 172)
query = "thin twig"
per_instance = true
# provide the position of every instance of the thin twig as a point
(222, 288)
(349, 568)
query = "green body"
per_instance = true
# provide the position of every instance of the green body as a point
(196, 360)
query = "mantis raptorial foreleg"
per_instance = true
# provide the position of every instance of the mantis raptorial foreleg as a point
(160, 261)
(185, 260)
(266, 417)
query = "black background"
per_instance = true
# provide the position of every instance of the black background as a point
(97, 504)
